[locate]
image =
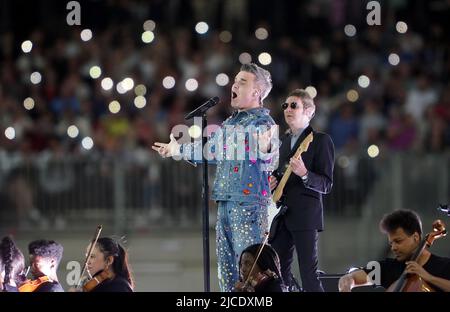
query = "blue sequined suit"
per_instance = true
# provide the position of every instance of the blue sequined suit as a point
(241, 189)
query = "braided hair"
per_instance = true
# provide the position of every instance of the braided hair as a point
(12, 262)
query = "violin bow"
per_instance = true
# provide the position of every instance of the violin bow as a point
(257, 257)
(96, 236)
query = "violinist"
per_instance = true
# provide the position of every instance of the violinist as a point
(45, 256)
(404, 231)
(12, 266)
(109, 268)
(262, 276)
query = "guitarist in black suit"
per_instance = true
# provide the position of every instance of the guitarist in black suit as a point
(301, 208)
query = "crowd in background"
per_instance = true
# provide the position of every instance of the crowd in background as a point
(406, 107)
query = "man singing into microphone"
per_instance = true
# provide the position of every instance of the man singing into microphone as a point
(241, 188)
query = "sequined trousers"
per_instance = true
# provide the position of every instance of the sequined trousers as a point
(239, 225)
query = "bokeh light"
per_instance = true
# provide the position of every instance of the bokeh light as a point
(311, 91)
(86, 35)
(265, 58)
(261, 33)
(350, 30)
(27, 46)
(107, 83)
(401, 27)
(149, 25)
(201, 28)
(394, 59)
(87, 143)
(225, 36)
(10, 133)
(352, 95)
(140, 90)
(191, 85)
(222, 79)
(373, 151)
(28, 103)
(140, 102)
(363, 81)
(195, 131)
(148, 36)
(95, 72)
(168, 82)
(114, 107)
(72, 131)
(36, 78)
(245, 58)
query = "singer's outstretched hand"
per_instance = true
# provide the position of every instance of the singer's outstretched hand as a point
(167, 150)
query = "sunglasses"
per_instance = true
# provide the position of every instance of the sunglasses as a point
(293, 105)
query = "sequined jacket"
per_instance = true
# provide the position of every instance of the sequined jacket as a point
(244, 178)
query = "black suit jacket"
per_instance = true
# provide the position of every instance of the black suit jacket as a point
(304, 200)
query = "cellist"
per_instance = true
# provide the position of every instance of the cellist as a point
(404, 231)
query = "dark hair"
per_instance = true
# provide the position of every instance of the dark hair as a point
(408, 220)
(12, 262)
(109, 247)
(47, 249)
(267, 260)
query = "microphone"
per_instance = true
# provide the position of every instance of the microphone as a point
(444, 208)
(199, 111)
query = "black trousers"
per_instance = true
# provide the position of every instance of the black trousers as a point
(305, 243)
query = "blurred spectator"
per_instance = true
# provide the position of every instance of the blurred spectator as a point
(344, 127)
(405, 107)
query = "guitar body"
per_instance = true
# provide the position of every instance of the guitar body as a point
(278, 192)
(276, 220)
(277, 195)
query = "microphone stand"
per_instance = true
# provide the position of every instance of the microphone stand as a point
(205, 214)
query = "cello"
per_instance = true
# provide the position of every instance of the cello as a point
(413, 282)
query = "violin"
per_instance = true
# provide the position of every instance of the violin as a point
(91, 249)
(33, 285)
(97, 280)
(413, 282)
(253, 280)
(256, 280)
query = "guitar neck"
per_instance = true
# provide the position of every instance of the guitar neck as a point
(302, 148)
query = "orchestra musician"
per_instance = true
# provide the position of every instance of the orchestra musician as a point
(108, 265)
(45, 256)
(262, 276)
(12, 265)
(404, 231)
